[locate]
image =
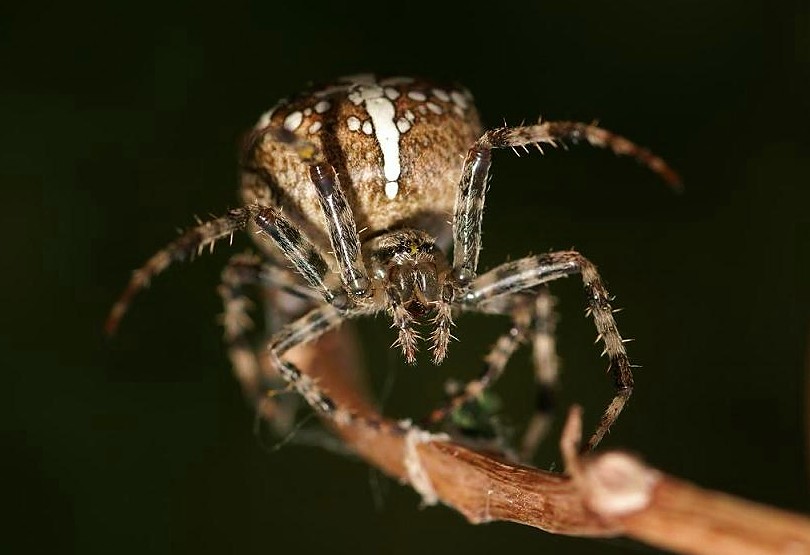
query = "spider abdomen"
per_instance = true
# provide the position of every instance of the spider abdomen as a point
(397, 144)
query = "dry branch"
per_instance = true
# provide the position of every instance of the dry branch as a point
(605, 494)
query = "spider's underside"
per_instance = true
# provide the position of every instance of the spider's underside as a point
(391, 158)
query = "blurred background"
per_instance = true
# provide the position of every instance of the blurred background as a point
(119, 123)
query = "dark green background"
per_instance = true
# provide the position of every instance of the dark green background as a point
(117, 124)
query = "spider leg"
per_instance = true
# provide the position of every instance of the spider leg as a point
(546, 372)
(469, 207)
(532, 271)
(494, 362)
(285, 299)
(187, 245)
(343, 235)
(299, 250)
(242, 270)
(307, 328)
(255, 378)
(540, 305)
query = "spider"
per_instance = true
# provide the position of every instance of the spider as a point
(389, 159)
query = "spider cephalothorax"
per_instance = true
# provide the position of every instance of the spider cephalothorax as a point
(413, 274)
(391, 159)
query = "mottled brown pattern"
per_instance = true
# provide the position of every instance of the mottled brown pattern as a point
(431, 154)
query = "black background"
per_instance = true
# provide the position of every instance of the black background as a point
(118, 123)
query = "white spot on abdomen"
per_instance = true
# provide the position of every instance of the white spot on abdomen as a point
(391, 189)
(264, 121)
(459, 100)
(441, 95)
(292, 121)
(353, 123)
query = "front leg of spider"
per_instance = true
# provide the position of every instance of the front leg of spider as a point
(192, 242)
(469, 207)
(532, 271)
(529, 272)
(305, 257)
(339, 218)
(311, 265)
(307, 328)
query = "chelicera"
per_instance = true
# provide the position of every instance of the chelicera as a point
(347, 190)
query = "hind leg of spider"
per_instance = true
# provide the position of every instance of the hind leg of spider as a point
(529, 272)
(286, 298)
(519, 307)
(546, 370)
(538, 306)
(539, 309)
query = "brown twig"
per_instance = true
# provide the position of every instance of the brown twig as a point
(605, 494)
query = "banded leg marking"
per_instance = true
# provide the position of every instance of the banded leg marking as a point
(469, 208)
(529, 272)
(255, 376)
(308, 328)
(339, 218)
(494, 365)
(300, 251)
(187, 245)
(546, 372)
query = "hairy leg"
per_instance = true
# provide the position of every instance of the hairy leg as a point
(469, 208)
(532, 271)
(184, 247)
(546, 372)
(285, 298)
(494, 362)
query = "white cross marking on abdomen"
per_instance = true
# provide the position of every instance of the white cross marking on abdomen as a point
(382, 113)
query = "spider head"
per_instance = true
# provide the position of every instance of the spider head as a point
(414, 281)
(413, 272)
(411, 269)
